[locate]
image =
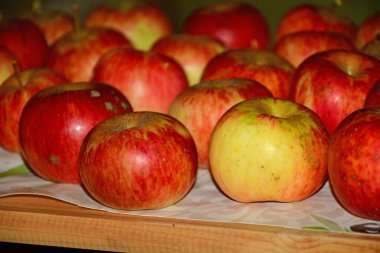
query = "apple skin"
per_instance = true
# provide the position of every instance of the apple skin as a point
(142, 23)
(139, 160)
(148, 79)
(55, 121)
(373, 95)
(372, 48)
(8, 63)
(200, 106)
(237, 25)
(26, 41)
(314, 17)
(76, 54)
(269, 149)
(14, 94)
(353, 163)
(193, 52)
(334, 83)
(298, 46)
(268, 68)
(368, 30)
(53, 23)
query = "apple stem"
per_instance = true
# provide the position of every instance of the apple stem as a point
(76, 17)
(36, 6)
(16, 69)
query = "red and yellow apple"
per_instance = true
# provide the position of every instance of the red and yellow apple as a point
(236, 24)
(55, 121)
(354, 163)
(143, 23)
(139, 160)
(193, 52)
(268, 68)
(334, 83)
(53, 23)
(269, 149)
(307, 16)
(298, 46)
(148, 79)
(14, 94)
(76, 54)
(200, 106)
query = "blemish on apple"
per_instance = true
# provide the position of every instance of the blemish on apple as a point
(95, 93)
(109, 106)
(54, 159)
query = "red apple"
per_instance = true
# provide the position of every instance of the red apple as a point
(193, 52)
(237, 25)
(314, 17)
(268, 149)
(334, 83)
(368, 29)
(200, 106)
(14, 94)
(142, 23)
(298, 46)
(373, 95)
(149, 80)
(53, 23)
(8, 63)
(268, 68)
(139, 160)
(55, 121)
(25, 40)
(76, 54)
(354, 163)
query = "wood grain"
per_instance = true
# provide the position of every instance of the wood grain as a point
(46, 221)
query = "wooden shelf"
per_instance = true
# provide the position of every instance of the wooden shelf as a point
(45, 221)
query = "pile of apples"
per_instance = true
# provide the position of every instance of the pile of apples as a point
(130, 109)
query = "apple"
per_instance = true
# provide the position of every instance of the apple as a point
(76, 53)
(268, 68)
(139, 160)
(193, 52)
(298, 46)
(8, 63)
(148, 79)
(236, 24)
(373, 96)
(200, 106)
(269, 149)
(53, 23)
(334, 83)
(55, 121)
(368, 29)
(353, 163)
(14, 94)
(307, 16)
(141, 22)
(25, 40)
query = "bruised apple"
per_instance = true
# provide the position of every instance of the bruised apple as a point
(139, 160)
(55, 121)
(269, 149)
